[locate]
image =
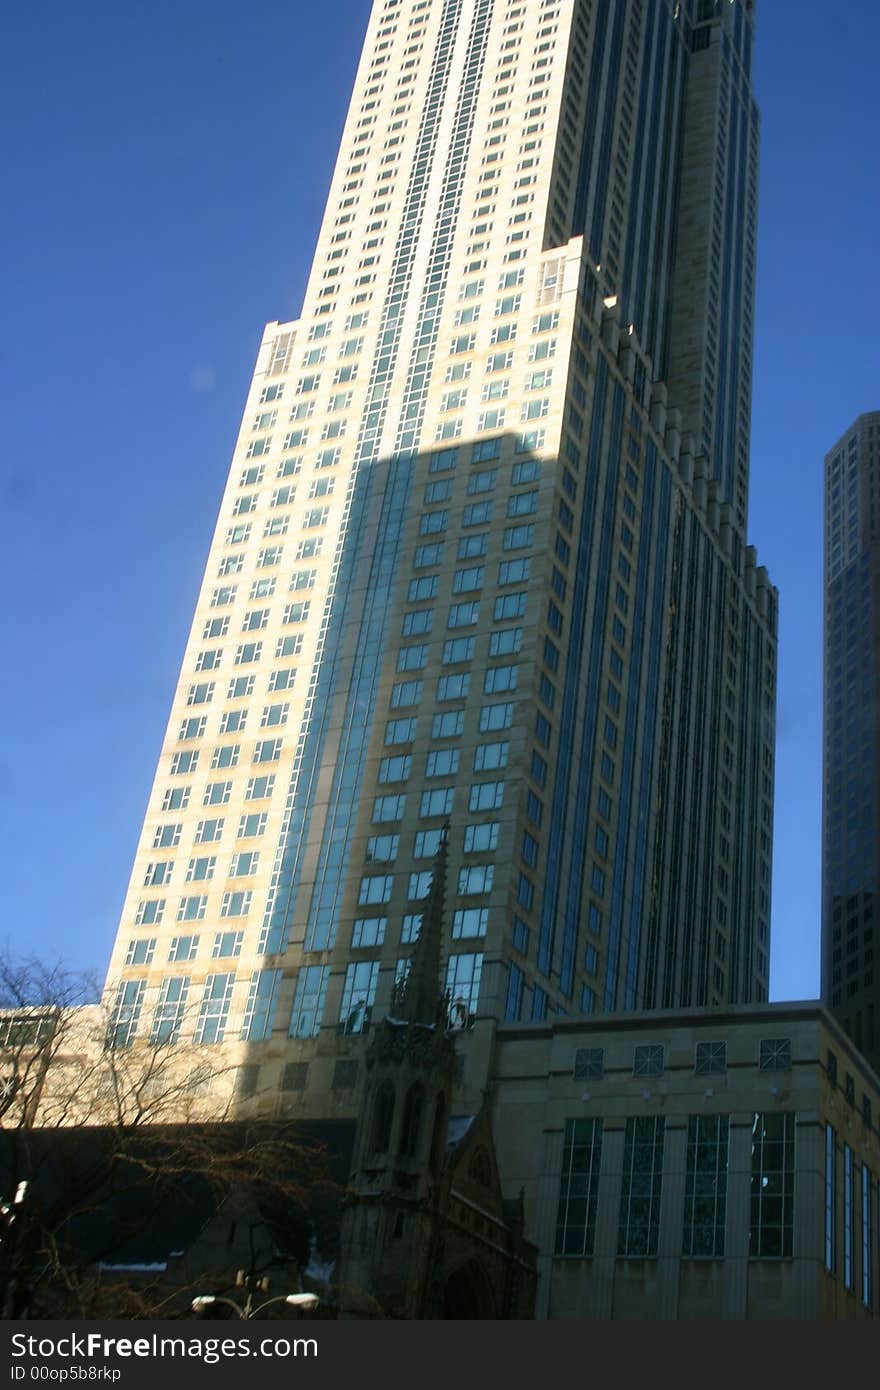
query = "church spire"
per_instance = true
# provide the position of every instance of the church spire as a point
(423, 1000)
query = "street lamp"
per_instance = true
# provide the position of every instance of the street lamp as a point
(302, 1302)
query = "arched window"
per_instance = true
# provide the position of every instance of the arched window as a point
(412, 1119)
(383, 1115)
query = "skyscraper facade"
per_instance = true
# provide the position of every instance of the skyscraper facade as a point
(481, 562)
(851, 767)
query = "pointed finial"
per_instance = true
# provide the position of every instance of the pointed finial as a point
(423, 993)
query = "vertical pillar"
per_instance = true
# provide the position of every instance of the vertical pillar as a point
(607, 1221)
(671, 1217)
(547, 1203)
(735, 1300)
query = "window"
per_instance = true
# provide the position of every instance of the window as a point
(213, 1009)
(405, 693)
(382, 849)
(495, 717)
(208, 831)
(253, 824)
(830, 1198)
(244, 863)
(579, 1189)
(479, 838)
(867, 1245)
(183, 948)
(167, 836)
(589, 1063)
(400, 731)
(710, 1058)
(486, 796)
(463, 986)
(499, 679)
(705, 1185)
(453, 687)
(772, 1203)
(457, 650)
(227, 943)
(217, 794)
(368, 931)
(509, 606)
(648, 1060)
(126, 1012)
(170, 1008)
(488, 757)
(358, 996)
(260, 1007)
(849, 1218)
(267, 751)
(437, 802)
(235, 904)
(639, 1224)
(775, 1054)
(464, 614)
(442, 762)
(309, 1000)
(376, 888)
(140, 952)
(410, 928)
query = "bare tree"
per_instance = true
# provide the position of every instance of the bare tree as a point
(107, 1140)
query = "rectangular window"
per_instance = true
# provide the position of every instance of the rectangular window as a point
(309, 1000)
(235, 904)
(579, 1189)
(480, 838)
(772, 1203)
(382, 849)
(448, 725)
(260, 1007)
(227, 943)
(183, 948)
(369, 931)
(358, 996)
(710, 1058)
(639, 1224)
(849, 1218)
(376, 888)
(705, 1186)
(388, 808)
(867, 1244)
(437, 802)
(463, 987)
(475, 878)
(126, 1013)
(208, 831)
(830, 1198)
(170, 1008)
(486, 796)
(140, 952)
(213, 1010)
(494, 717)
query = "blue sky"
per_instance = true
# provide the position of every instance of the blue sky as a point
(167, 165)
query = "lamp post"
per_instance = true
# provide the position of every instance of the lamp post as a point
(302, 1302)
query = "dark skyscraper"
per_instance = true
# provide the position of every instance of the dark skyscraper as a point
(851, 791)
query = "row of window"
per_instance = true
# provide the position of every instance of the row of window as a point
(710, 1058)
(771, 1226)
(210, 1015)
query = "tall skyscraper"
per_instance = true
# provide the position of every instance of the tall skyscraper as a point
(480, 560)
(851, 767)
